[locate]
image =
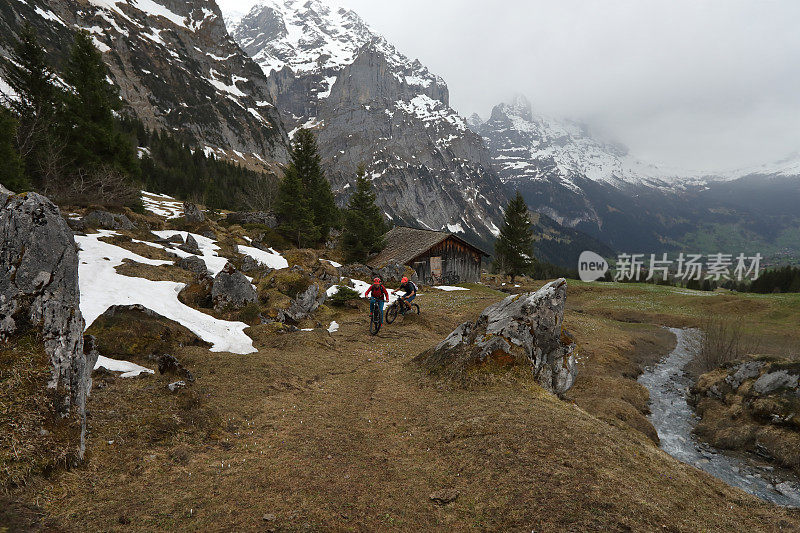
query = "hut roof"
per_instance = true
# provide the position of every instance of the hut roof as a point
(403, 244)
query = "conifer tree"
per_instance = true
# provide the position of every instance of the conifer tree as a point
(11, 170)
(94, 137)
(293, 209)
(29, 74)
(514, 247)
(308, 164)
(364, 226)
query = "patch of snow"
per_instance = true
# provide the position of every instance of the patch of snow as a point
(271, 259)
(102, 287)
(162, 204)
(455, 228)
(449, 288)
(49, 15)
(334, 264)
(128, 369)
(334, 327)
(208, 250)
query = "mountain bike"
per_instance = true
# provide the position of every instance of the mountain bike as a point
(374, 318)
(394, 310)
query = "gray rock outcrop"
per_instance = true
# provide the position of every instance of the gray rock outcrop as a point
(39, 291)
(192, 213)
(253, 217)
(193, 264)
(106, 220)
(304, 304)
(232, 290)
(190, 246)
(526, 327)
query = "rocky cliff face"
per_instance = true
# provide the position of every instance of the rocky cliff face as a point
(39, 293)
(521, 328)
(369, 103)
(174, 63)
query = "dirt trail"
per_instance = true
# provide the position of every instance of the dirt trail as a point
(341, 432)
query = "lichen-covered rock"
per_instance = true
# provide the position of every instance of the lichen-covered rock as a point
(304, 304)
(527, 327)
(106, 220)
(190, 246)
(39, 291)
(192, 213)
(252, 217)
(193, 264)
(752, 406)
(232, 290)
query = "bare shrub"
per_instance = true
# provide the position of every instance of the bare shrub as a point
(96, 186)
(722, 340)
(260, 194)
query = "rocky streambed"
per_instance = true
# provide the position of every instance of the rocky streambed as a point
(674, 421)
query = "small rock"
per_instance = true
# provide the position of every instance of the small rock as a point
(193, 264)
(269, 517)
(192, 213)
(444, 496)
(249, 264)
(208, 234)
(190, 246)
(106, 220)
(231, 289)
(177, 385)
(168, 364)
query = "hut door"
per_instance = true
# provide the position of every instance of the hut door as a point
(436, 267)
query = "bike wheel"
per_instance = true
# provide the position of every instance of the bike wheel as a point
(374, 323)
(415, 308)
(391, 314)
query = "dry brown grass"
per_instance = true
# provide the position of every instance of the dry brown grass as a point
(342, 432)
(155, 273)
(33, 439)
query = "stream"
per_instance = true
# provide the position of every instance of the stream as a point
(674, 420)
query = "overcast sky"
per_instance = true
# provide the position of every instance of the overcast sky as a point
(697, 84)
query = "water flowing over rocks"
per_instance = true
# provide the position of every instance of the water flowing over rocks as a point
(523, 327)
(39, 291)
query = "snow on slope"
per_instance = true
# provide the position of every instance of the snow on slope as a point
(102, 287)
(529, 146)
(309, 36)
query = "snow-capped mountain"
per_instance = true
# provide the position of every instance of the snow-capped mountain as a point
(174, 63)
(369, 103)
(597, 187)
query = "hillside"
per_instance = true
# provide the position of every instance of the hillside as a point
(175, 65)
(369, 103)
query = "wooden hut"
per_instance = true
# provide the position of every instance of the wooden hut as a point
(438, 258)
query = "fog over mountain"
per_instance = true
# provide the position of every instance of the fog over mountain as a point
(703, 86)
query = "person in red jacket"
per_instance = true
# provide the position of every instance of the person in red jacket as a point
(378, 295)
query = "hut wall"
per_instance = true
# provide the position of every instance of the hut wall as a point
(459, 264)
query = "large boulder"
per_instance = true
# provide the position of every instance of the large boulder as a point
(136, 333)
(232, 290)
(525, 328)
(39, 293)
(192, 213)
(252, 217)
(304, 304)
(106, 220)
